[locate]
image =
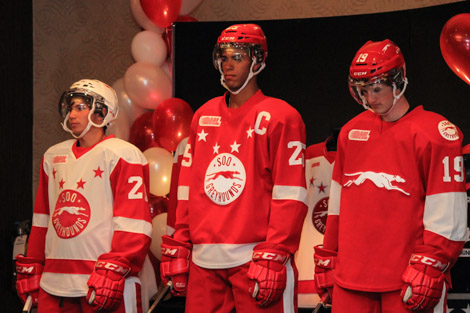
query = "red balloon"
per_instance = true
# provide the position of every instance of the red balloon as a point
(141, 133)
(455, 45)
(158, 205)
(171, 122)
(161, 12)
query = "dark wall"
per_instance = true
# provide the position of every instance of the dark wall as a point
(16, 118)
(309, 59)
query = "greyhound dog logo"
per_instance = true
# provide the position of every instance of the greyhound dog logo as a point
(71, 214)
(225, 179)
(381, 180)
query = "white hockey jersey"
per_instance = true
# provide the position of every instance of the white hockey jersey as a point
(242, 180)
(318, 171)
(90, 202)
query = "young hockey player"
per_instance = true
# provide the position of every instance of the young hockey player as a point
(91, 224)
(397, 212)
(242, 193)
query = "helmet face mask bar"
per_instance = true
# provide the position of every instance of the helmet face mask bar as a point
(374, 63)
(247, 37)
(97, 96)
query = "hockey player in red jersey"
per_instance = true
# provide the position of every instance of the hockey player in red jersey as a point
(91, 225)
(397, 212)
(241, 194)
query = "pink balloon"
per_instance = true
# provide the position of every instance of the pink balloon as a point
(147, 84)
(148, 46)
(161, 12)
(141, 132)
(171, 122)
(455, 45)
(142, 19)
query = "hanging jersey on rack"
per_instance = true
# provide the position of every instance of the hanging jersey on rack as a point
(318, 171)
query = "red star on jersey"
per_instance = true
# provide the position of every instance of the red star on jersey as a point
(312, 180)
(61, 183)
(321, 188)
(80, 184)
(53, 172)
(98, 172)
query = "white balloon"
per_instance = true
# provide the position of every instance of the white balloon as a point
(149, 47)
(160, 167)
(187, 6)
(142, 19)
(120, 127)
(147, 84)
(158, 230)
(167, 67)
(126, 107)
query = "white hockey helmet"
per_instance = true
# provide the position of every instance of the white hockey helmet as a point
(100, 98)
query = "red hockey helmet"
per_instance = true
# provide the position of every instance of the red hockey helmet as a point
(249, 37)
(377, 62)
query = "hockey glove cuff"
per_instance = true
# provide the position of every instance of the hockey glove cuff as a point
(106, 283)
(325, 263)
(174, 264)
(268, 272)
(424, 281)
(28, 276)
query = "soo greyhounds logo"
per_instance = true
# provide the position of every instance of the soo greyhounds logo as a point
(381, 180)
(71, 214)
(225, 179)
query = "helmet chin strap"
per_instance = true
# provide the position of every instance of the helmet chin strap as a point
(395, 98)
(88, 126)
(250, 76)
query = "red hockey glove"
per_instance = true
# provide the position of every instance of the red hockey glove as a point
(174, 264)
(28, 275)
(424, 280)
(106, 283)
(268, 272)
(325, 263)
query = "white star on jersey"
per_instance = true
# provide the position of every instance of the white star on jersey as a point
(202, 135)
(235, 146)
(216, 148)
(249, 132)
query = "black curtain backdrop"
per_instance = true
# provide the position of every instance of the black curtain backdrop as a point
(16, 123)
(308, 63)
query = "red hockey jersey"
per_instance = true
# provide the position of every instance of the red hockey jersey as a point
(90, 202)
(242, 180)
(396, 185)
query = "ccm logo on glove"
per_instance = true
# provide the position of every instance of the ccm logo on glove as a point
(280, 258)
(416, 258)
(113, 267)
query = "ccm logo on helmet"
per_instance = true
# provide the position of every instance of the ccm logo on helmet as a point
(359, 73)
(416, 258)
(259, 255)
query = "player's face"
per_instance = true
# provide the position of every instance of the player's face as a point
(379, 97)
(235, 66)
(78, 117)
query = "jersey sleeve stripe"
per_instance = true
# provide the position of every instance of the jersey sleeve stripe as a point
(183, 193)
(335, 197)
(443, 215)
(290, 193)
(133, 226)
(40, 220)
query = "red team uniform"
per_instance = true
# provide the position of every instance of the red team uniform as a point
(318, 171)
(243, 197)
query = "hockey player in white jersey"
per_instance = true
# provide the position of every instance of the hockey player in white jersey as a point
(397, 213)
(241, 194)
(91, 222)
